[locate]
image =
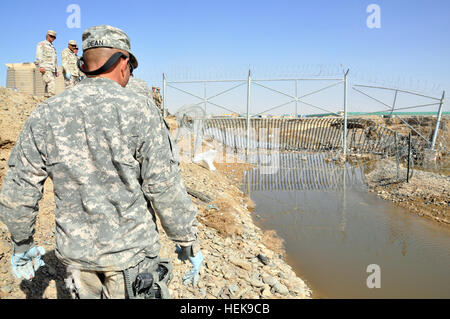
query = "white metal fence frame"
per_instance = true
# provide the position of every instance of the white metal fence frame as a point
(299, 99)
(205, 99)
(393, 107)
(249, 81)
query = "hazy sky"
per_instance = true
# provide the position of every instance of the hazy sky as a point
(224, 39)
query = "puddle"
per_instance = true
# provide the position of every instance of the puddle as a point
(334, 229)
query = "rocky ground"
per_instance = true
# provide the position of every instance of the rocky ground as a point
(241, 260)
(426, 194)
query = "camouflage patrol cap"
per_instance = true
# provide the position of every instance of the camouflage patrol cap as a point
(51, 32)
(107, 36)
(73, 42)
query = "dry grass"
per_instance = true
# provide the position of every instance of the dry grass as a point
(223, 219)
(271, 240)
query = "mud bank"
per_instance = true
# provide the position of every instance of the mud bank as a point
(427, 194)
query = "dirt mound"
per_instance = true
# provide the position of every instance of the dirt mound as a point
(15, 108)
(425, 125)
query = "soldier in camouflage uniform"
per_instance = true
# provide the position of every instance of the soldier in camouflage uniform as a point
(69, 62)
(46, 61)
(154, 94)
(158, 98)
(115, 170)
(139, 86)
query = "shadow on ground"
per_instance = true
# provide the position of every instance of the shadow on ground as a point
(52, 271)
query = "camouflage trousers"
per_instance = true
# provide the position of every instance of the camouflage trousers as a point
(87, 284)
(50, 82)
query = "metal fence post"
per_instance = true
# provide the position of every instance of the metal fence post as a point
(396, 155)
(204, 84)
(409, 157)
(344, 140)
(393, 104)
(438, 121)
(249, 80)
(296, 98)
(164, 96)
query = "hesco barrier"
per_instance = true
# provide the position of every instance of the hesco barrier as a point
(26, 78)
(315, 134)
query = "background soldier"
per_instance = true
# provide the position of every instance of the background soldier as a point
(158, 99)
(139, 86)
(114, 170)
(154, 97)
(69, 62)
(46, 61)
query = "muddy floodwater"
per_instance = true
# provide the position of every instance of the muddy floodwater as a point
(335, 231)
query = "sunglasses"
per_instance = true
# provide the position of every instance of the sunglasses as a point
(123, 56)
(52, 36)
(129, 64)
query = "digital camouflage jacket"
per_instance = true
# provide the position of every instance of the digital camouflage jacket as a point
(114, 169)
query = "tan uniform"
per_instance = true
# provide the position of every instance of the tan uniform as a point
(158, 99)
(46, 58)
(69, 63)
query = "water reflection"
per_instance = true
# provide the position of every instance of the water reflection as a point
(296, 171)
(333, 229)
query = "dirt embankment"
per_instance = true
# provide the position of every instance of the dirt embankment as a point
(426, 194)
(425, 125)
(233, 247)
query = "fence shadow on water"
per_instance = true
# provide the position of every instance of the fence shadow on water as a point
(303, 171)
